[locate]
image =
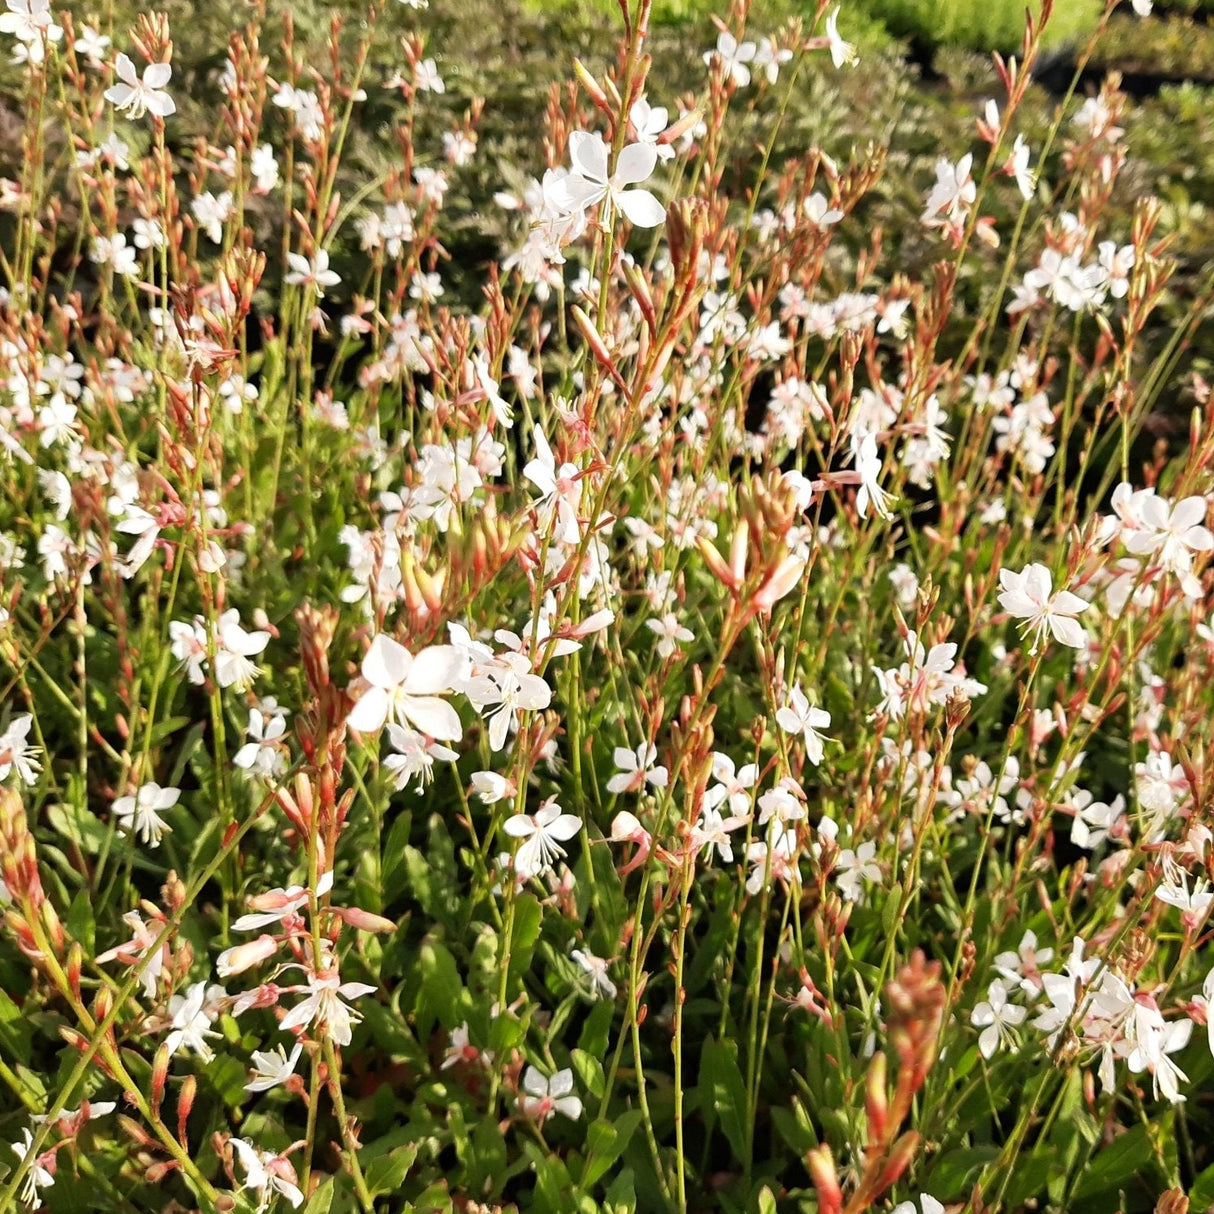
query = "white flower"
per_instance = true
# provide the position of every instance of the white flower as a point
(670, 633)
(1026, 595)
(135, 96)
(267, 1173)
(212, 212)
(996, 1016)
(797, 716)
(649, 121)
(842, 54)
(272, 1069)
(734, 56)
(588, 182)
(233, 649)
(636, 768)
(29, 21)
(541, 1096)
(16, 752)
(406, 687)
(856, 867)
(141, 812)
(324, 1006)
(314, 273)
(426, 78)
(868, 465)
(38, 1176)
(543, 833)
(596, 967)
(927, 1204)
(192, 1021)
(264, 167)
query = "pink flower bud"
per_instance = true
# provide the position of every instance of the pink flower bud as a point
(241, 957)
(365, 921)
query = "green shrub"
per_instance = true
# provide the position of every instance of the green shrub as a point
(991, 25)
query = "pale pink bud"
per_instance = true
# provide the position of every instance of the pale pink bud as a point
(365, 921)
(241, 957)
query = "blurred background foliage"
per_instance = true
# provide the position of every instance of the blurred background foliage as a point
(926, 74)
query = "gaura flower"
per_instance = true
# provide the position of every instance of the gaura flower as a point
(406, 687)
(588, 183)
(134, 96)
(1027, 596)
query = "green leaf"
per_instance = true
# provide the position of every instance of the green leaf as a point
(527, 916)
(722, 1090)
(322, 1199)
(952, 1177)
(227, 1076)
(441, 987)
(79, 921)
(386, 1174)
(394, 871)
(589, 1071)
(605, 1142)
(1127, 1156)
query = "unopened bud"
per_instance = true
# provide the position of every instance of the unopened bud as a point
(75, 961)
(241, 957)
(160, 1075)
(185, 1102)
(716, 562)
(821, 1169)
(876, 1103)
(900, 1159)
(157, 1172)
(363, 920)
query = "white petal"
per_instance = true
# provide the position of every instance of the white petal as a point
(438, 668)
(160, 104)
(370, 712)
(125, 68)
(433, 716)
(387, 663)
(1068, 632)
(156, 75)
(635, 164)
(588, 154)
(642, 208)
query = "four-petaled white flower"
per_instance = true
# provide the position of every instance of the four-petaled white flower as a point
(270, 1069)
(314, 272)
(406, 688)
(542, 1096)
(324, 1007)
(134, 96)
(267, 1174)
(140, 813)
(636, 768)
(192, 1019)
(39, 1175)
(589, 183)
(1026, 595)
(734, 56)
(995, 1016)
(542, 833)
(797, 716)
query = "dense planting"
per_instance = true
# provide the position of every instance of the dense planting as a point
(702, 707)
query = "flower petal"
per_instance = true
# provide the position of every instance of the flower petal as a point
(642, 208)
(635, 164)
